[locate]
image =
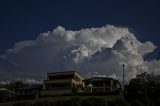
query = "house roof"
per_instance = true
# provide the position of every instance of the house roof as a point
(3, 89)
(100, 78)
(65, 72)
(61, 72)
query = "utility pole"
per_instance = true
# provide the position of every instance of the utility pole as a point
(123, 77)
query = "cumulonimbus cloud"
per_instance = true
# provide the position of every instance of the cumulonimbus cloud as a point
(101, 50)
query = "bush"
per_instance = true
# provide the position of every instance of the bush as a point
(157, 102)
(141, 102)
(96, 101)
(42, 103)
(22, 104)
(73, 101)
(135, 103)
(4, 96)
(118, 102)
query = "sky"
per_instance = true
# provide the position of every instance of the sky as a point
(82, 32)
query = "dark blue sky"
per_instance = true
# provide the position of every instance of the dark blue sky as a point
(25, 19)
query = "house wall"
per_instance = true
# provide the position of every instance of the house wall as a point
(62, 81)
(101, 85)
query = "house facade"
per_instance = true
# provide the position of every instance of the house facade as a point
(58, 83)
(101, 85)
(29, 92)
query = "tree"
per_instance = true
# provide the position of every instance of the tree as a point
(4, 96)
(15, 85)
(143, 86)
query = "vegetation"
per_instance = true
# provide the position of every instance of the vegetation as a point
(143, 90)
(73, 101)
(11, 89)
(14, 86)
(4, 96)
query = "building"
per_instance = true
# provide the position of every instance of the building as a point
(59, 83)
(101, 85)
(29, 92)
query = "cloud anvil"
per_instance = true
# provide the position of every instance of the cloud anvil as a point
(101, 50)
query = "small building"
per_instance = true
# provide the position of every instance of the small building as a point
(101, 85)
(29, 92)
(61, 83)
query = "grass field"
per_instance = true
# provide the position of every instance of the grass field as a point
(61, 98)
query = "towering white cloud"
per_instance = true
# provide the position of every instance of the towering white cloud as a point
(101, 50)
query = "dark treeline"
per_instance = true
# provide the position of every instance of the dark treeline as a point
(14, 86)
(144, 90)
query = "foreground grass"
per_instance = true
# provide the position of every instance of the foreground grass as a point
(70, 100)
